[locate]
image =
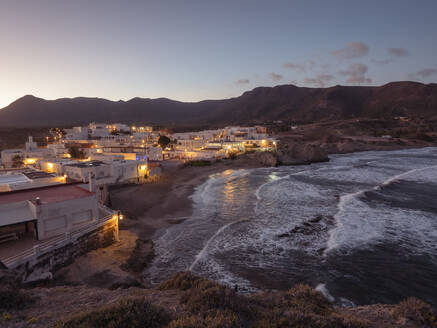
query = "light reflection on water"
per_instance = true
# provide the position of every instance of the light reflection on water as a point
(269, 228)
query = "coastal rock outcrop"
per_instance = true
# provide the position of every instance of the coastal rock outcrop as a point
(265, 158)
(293, 153)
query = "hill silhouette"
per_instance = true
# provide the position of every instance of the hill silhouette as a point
(283, 102)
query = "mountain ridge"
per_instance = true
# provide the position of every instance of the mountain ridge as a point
(281, 102)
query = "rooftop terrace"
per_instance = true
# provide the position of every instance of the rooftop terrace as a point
(51, 194)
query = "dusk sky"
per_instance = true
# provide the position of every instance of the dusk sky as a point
(194, 50)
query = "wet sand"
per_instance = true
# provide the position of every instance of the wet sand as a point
(148, 208)
(155, 206)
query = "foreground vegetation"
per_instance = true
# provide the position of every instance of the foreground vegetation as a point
(208, 304)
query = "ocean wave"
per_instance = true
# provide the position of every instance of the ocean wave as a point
(358, 223)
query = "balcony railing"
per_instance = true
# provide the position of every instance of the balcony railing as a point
(44, 247)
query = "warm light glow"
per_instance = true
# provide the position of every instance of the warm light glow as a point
(143, 167)
(50, 165)
(30, 161)
(133, 128)
(67, 155)
(263, 142)
(99, 151)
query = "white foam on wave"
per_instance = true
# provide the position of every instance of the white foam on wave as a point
(343, 302)
(203, 252)
(273, 178)
(410, 176)
(358, 224)
(325, 292)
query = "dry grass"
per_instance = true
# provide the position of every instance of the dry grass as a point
(183, 281)
(213, 305)
(205, 304)
(415, 311)
(128, 313)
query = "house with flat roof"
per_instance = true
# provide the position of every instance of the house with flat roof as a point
(46, 212)
(27, 179)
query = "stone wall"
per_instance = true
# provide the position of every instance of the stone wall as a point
(40, 268)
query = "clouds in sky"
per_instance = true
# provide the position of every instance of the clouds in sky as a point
(319, 81)
(352, 50)
(393, 54)
(423, 73)
(356, 74)
(382, 61)
(398, 52)
(326, 72)
(276, 77)
(243, 81)
(295, 67)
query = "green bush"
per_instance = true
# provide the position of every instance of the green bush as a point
(198, 163)
(129, 313)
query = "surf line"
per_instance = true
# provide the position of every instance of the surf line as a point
(203, 251)
(331, 244)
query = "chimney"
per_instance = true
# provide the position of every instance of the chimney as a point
(37, 206)
(90, 182)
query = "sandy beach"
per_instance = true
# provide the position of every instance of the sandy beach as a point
(148, 209)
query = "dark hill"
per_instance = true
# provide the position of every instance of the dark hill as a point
(284, 102)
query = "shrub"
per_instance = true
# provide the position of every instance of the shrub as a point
(217, 320)
(198, 163)
(300, 319)
(76, 153)
(304, 297)
(415, 311)
(163, 141)
(129, 313)
(424, 137)
(183, 281)
(300, 307)
(210, 297)
(13, 299)
(213, 304)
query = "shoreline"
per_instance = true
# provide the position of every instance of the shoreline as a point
(150, 209)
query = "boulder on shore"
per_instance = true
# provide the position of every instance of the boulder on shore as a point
(265, 158)
(293, 153)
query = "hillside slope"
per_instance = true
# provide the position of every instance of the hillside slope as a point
(285, 102)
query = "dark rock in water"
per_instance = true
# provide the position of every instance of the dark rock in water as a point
(291, 153)
(314, 225)
(316, 219)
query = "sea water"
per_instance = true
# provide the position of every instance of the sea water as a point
(361, 228)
